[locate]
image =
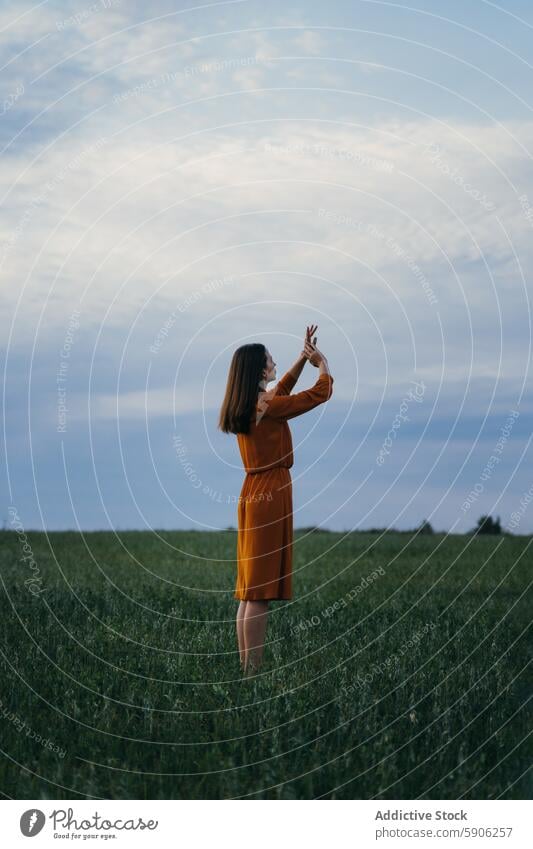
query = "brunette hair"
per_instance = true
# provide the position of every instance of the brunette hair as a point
(242, 388)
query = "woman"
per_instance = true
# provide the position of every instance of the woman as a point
(264, 540)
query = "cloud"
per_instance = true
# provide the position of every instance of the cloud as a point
(310, 41)
(358, 224)
(122, 212)
(141, 405)
(147, 159)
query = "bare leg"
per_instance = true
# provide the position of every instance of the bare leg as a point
(255, 622)
(240, 632)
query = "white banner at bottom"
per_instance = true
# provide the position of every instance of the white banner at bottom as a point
(226, 823)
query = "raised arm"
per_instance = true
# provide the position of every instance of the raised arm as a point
(288, 406)
(286, 383)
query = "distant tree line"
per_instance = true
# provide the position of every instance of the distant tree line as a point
(485, 525)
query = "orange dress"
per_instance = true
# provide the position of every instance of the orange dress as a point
(265, 524)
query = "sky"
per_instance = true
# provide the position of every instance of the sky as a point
(180, 179)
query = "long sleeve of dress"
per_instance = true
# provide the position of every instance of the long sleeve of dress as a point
(288, 406)
(285, 384)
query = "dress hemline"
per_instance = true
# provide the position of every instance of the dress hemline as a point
(264, 598)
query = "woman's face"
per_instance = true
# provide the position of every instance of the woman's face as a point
(270, 368)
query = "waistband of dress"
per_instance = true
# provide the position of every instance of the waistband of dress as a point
(270, 469)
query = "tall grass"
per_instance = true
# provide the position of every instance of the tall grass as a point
(121, 677)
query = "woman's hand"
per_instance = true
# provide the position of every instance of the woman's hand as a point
(310, 331)
(312, 353)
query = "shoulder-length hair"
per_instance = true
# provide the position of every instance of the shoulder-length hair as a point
(242, 388)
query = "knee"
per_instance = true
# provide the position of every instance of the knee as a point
(255, 607)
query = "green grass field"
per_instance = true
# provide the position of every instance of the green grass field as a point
(121, 676)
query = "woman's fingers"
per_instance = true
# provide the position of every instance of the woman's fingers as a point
(311, 349)
(310, 346)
